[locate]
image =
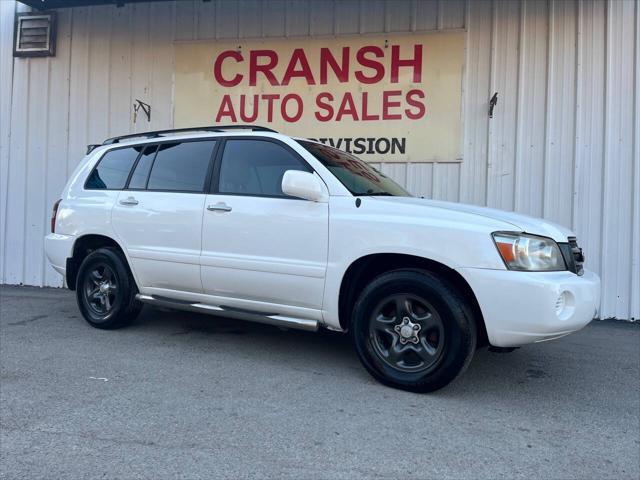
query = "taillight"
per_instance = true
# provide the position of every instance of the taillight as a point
(54, 214)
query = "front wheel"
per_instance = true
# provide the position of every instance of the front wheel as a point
(106, 291)
(413, 331)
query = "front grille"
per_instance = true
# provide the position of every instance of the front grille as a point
(573, 256)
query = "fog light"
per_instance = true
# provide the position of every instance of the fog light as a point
(560, 302)
(565, 305)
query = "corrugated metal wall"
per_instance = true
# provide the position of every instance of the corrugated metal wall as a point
(563, 144)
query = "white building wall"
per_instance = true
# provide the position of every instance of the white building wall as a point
(563, 143)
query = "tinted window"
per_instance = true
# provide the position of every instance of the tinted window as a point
(357, 176)
(255, 167)
(113, 169)
(141, 173)
(181, 166)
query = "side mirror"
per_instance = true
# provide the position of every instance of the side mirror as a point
(303, 185)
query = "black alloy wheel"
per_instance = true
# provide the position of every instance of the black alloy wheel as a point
(407, 333)
(413, 330)
(100, 288)
(106, 291)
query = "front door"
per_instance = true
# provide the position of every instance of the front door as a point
(158, 217)
(261, 249)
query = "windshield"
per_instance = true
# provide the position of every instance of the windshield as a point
(358, 177)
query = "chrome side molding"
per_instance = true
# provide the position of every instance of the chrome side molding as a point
(231, 312)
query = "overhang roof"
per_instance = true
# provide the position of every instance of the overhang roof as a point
(53, 4)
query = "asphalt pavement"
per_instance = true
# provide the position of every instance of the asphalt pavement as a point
(181, 395)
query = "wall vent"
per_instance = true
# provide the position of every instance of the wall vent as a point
(35, 35)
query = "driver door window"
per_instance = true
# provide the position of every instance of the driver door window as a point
(255, 167)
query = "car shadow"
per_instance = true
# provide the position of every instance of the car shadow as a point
(563, 366)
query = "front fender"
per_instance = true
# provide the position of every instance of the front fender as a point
(456, 240)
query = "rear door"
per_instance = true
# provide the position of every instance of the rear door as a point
(261, 248)
(158, 217)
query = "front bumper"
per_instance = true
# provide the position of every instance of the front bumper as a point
(527, 307)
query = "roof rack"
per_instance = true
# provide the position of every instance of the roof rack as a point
(157, 133)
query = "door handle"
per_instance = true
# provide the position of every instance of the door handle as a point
(219, 207)
(129, 201)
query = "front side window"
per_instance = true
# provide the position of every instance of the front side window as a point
(357, 176)
(181, 167)
(112, 171)
(256, 167)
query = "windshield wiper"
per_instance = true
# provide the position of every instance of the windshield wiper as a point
(378, 194)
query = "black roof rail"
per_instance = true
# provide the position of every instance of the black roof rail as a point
(157, 133)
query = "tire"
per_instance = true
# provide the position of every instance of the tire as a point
(413, 331)
(106, 291)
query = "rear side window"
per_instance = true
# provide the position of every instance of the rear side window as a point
(112, 171)
(181, 167)
(141, 173)
(256, 167)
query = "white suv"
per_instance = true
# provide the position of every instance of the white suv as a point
(246, 223)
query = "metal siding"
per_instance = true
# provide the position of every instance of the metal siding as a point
(502, 127)
(397, 15)
(635, 239)
(7, 11)
(141, 61)
(563, 143)
(372, 17)
(273, 19)
(297, 18)
(530, 119)
(618, 171)
(420, 179)
(227, 18)
(451, 14)
(561, 111)
(321, 17)
(346, 17)
(57, 122)
(78, 94)
(187, 20)
(590, 93)
(477, 92)
(426, 15)
(446, 181)
(250, 21)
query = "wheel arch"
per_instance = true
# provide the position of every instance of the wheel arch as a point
(364, 269)
(83, 246)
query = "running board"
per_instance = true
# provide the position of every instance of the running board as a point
(231, 312)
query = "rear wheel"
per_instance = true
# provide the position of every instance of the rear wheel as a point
(413, 331)
(106, 291)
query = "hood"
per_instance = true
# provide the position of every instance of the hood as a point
(512, 221)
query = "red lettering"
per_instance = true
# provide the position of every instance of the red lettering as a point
(243, 114)
(388, 104)
(415, 103)
(365, 109)
(270, 98)
(217, 68)
(328, 60)
(324, 106)
(255, 67)
(415, 62)
(226, 110)
(283, 107)
(370, 63)
(298, 56)
(347, 107)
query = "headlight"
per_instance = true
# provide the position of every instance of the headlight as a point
(529, 252)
